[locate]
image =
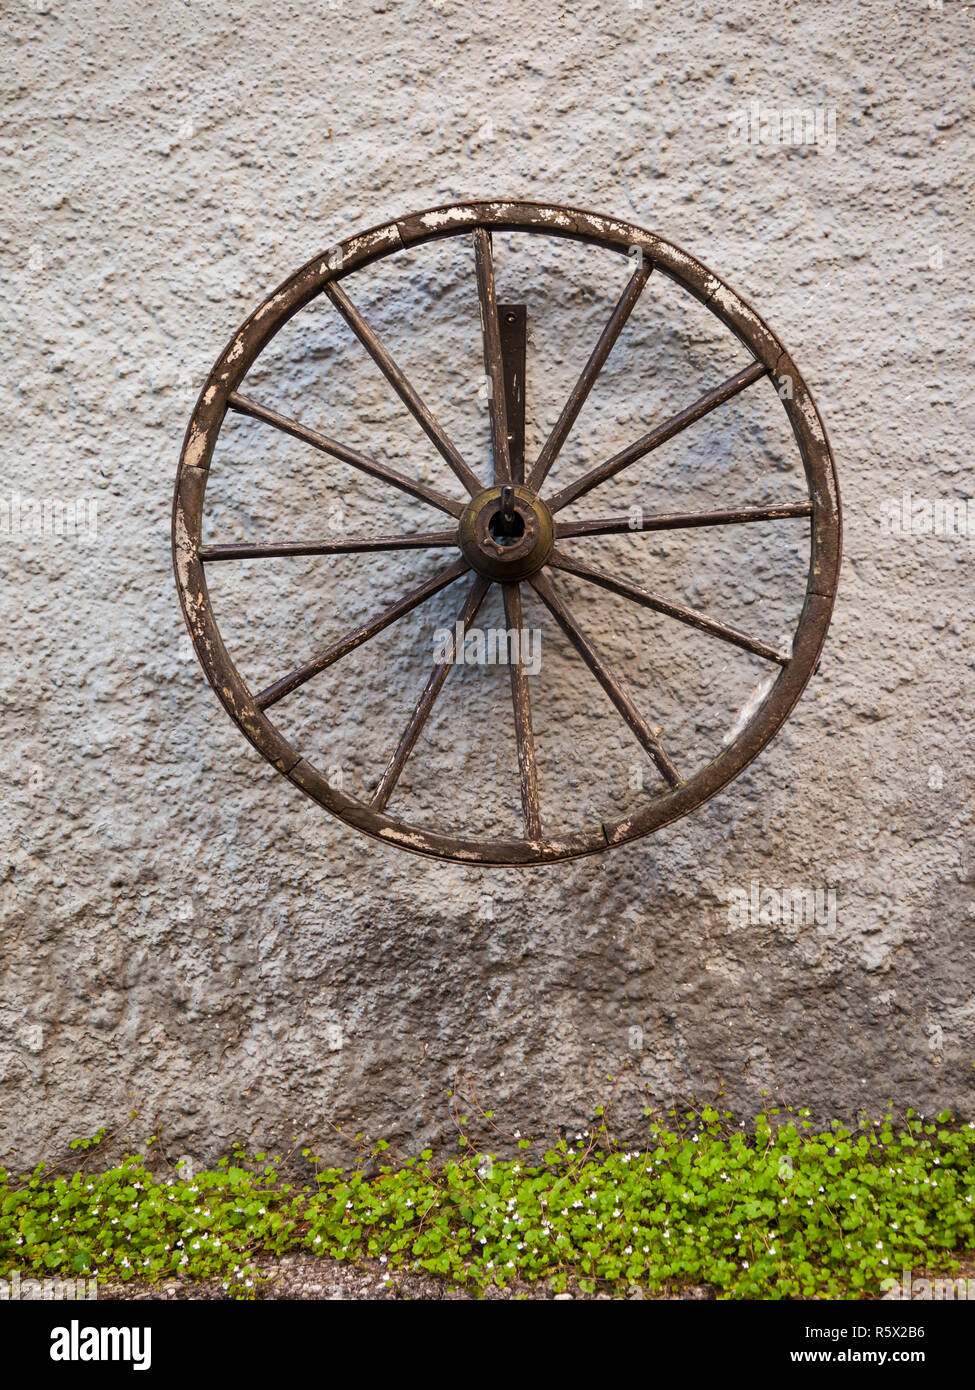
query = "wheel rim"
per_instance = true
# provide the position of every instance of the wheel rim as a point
(515, 561)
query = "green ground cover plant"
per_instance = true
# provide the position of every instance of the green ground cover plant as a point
(774, 1209)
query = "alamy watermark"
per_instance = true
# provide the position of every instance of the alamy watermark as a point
(494, 646)
(49, 516)
(907, 1287)
(789, 126)
(909, 515)
(77, 1343)
(760, 905)
(15, 1289)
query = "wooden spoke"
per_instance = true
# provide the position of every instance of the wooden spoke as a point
(521, 701)
(493, 362)
(660, 605)
(403, 388)
(590, 372)
(426, 701)
(422, 540)
(675, 521)
(354, 639)
(635, 721)
(244, 406)
(708, 402)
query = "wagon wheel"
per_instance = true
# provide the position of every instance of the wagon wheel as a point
(509, 532)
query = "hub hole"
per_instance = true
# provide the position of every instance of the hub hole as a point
(506, 532)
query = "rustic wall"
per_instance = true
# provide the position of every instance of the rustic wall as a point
(182, 932)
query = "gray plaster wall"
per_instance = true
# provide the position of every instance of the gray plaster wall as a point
(183, 934)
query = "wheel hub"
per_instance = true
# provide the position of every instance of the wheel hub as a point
(506, 533)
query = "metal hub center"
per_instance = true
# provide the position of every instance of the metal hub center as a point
(506, 533)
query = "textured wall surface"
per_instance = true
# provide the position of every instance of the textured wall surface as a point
(182, 932)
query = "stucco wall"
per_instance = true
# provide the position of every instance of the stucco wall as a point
(182, 932)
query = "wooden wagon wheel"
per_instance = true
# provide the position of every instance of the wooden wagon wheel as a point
(508, 532)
